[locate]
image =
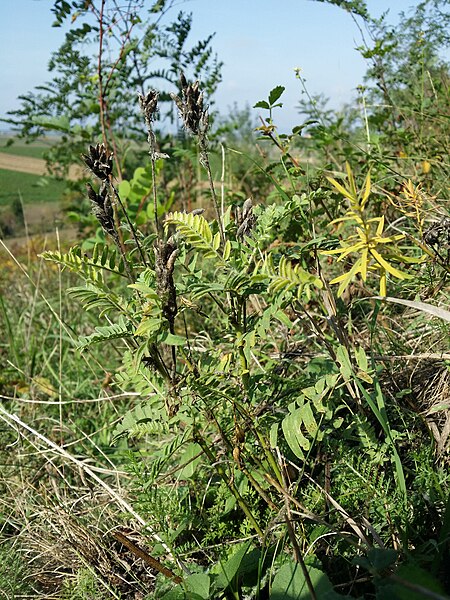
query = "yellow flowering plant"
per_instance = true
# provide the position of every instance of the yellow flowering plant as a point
(375, 250)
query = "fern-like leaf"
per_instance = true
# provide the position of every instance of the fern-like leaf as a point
(122, 329)
(197, 232)
(289, 277)
(143, 419)
(92, 296)
(103, 258)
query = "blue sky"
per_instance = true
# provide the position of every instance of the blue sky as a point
(261, 42)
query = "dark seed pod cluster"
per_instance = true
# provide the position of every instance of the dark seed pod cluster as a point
(438, 234)
(99, 161)
(102, 208)
(149, 105)
(191, 107)
(165, 256)
(246, 220)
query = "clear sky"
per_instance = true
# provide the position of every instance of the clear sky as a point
(261, 42)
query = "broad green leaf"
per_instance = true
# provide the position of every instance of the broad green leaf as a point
(275, 94)
(417, 582)
(291, 426)
(361, 358)
(290, 584)
(172, 339)
(178, 593)
(230, 569)
(124, 188)
(147, 327)
(192, 458)
(308, 419)
(226, 250)
(145, 289)
(343, 359)
(216, 241)
(274, 435)
(261, 104)
(198, 583)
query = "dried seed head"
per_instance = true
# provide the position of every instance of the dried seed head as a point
(246, 220)
(165, 256)
(438, 234)
(99, 161)
(149, 104)
(102, 209)
(191, 107)
(197, 211)
(247, 208)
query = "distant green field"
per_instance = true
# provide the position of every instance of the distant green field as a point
(20, 148)
(13, 183)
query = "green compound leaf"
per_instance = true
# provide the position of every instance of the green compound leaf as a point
(196, 231)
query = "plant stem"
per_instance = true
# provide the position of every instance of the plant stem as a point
(239, 499)
(132, 229)
(205, 161)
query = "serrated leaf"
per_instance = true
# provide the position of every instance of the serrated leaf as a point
(261, 104)
(275, 94)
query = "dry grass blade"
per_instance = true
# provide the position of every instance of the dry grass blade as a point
(9, 419)
(424, 307)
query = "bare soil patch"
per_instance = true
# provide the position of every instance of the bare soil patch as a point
(35, 166)
(24, 164)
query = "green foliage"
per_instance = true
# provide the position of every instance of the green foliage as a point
(283, 440)
(13, 572)
(369, 242)
(290, 583)
(91, 269)
(32, 188)
(129, 48)
(103, 334)
(83, 587)
(197, 232)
